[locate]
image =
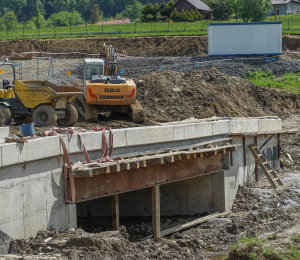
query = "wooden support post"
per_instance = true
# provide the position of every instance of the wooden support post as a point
(115, 212)
(156, 211)
(279, 148)
(231, 159)
(244, 150)
(256, 165)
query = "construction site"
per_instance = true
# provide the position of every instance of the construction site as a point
(132, 149)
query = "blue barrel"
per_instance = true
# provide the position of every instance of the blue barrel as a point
(27, 130)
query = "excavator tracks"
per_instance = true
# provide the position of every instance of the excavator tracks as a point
(88, 112)
(137, 113)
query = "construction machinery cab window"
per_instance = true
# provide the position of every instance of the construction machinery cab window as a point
(94, 70)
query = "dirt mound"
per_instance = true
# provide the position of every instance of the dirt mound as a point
(78, 244)
(132, 46)
(171, 96)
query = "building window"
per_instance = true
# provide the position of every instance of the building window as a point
(292, 7)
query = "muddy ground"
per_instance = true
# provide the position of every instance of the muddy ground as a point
(257, 211)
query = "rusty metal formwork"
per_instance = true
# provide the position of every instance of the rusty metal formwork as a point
(143, 170)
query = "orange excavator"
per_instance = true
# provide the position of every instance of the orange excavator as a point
(105, 91)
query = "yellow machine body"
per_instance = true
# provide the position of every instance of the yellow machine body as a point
(7, 93)
(111, 94)
(33, 93)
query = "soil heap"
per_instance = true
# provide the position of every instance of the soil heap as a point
(171, 96)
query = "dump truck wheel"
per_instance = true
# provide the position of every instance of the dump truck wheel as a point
(6, 113)
(20, 120)
(71, 116)
(44, 115)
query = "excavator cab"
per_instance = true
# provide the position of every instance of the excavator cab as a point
(105, 91)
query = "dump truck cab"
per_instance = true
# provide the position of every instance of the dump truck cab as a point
(101, 89)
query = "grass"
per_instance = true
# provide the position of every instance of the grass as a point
(290, 25)
(289, 82)
(256, 249)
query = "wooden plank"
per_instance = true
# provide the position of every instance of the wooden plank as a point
(189, 224)
(135, 165)
(278, 146)
(186, 157)
(143, 164)
(244, 151)
(156, 211)
(169, 159)
(256, 165)
(83, 173)
(115, 168)
(115, 214)
(104, 170)
(125, 156)
(155, 161)
(291, 132)
(177, 157)
(125, 166)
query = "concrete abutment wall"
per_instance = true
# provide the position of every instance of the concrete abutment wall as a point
(31, 179)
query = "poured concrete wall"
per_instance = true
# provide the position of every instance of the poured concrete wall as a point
(188, 197)
(31, 182)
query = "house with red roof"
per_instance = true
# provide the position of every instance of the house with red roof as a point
(124, 21)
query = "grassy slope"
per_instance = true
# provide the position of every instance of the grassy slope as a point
(289, 82)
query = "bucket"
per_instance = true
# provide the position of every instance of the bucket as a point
(27, 130)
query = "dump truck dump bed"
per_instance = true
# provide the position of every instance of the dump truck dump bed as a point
(35, 92)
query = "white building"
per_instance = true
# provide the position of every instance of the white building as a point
(285, 7)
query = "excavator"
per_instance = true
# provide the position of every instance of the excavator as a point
(105, 91)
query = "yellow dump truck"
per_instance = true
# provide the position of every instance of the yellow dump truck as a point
(39, 101)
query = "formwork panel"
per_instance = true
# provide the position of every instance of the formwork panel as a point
(102, 185)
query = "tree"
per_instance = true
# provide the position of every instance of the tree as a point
(65, 19)
(220, 9)
(95, 14)
(234, 7)
(133, 11)
(255, 10)
(158, 16)
(10, 20)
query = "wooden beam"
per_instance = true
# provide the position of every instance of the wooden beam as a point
(135, 165)
(115, 212)
(83, 173)
(177, 157)
(156, 211)
(189, 224)
(186, 156)
(169, 159)
(115, 168)
(256, 165)
(279, 148)
(125, 166)
(244, 151)
(231, 159)
(104, 170)
(155, 161)
(143, 164)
